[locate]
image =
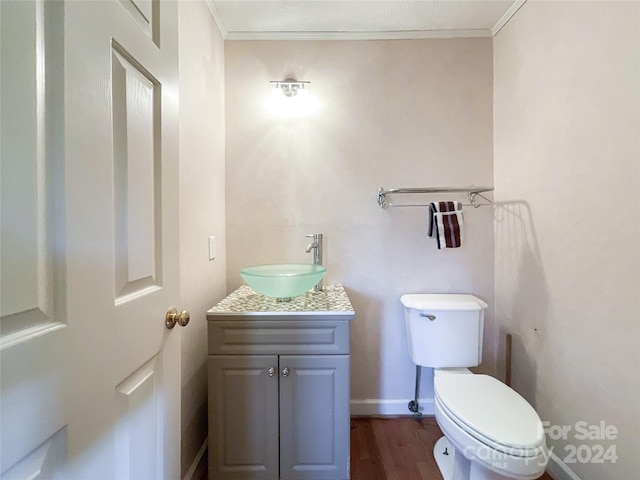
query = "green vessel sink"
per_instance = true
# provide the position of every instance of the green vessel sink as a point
(283, 281)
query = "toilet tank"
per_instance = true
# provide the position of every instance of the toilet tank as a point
(444, 330)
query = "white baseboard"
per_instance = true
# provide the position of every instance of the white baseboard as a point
(199, 463)
(559, 470)
(378, 406)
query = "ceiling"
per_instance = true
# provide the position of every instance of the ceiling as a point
(360, 19)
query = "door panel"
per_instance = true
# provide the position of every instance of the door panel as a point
(31, 298)
(243, 417)
(146, 13)
(33, 333)
(122, 212)
(46, 461)
(139, 410)
(136, 127)
(90, 375)
(314, 417)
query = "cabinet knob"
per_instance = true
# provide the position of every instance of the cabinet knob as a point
(285, 372)
(271, 371)
(173, 317)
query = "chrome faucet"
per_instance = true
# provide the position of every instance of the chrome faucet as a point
(316, 246)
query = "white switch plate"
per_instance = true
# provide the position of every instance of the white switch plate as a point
(212, 248)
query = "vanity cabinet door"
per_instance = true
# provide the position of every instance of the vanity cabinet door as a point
(314, 417)
(243, 417)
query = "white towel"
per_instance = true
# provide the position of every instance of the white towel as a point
(445, 223)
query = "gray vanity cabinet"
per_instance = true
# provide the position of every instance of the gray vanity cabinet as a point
(288, 427)
(314, 417)
(278, 394)
(243, 417)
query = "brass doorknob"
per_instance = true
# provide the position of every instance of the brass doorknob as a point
(173, 317)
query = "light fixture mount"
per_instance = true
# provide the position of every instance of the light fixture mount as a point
(290, 86)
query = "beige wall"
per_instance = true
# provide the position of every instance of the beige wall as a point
(567, 159)
(202, 211)
(392, 114)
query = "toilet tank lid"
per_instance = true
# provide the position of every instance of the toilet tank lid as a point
(442, 301)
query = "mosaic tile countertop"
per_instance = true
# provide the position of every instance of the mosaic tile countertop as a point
(333, 300)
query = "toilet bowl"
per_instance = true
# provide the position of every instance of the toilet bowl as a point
(490, 431)
(494, 432)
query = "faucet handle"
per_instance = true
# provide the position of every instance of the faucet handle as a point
(314, 235)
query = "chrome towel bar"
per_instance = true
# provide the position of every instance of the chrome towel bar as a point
(473, 192)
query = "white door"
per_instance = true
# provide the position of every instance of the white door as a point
(89, 379)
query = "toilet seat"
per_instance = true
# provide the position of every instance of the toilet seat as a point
(491, 412)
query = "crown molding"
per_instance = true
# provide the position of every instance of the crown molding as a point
(217, 19)
(507, 16)
(400, 35)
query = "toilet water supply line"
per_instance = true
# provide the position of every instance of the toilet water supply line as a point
(413, 404)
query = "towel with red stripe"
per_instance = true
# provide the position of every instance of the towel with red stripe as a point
(445, 224)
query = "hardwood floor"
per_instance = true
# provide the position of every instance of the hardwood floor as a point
(394, 449)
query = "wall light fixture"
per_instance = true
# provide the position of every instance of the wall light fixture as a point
(289, 87)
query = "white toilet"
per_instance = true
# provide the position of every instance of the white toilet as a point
(490, 431)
